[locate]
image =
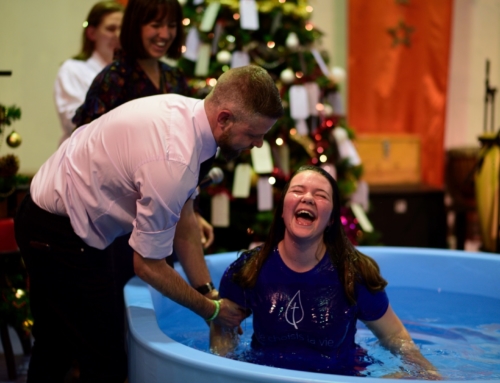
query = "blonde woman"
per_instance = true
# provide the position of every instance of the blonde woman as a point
(100, 38)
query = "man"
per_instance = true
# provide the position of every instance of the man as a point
(132, 170)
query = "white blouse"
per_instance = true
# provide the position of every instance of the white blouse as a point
(71, 86)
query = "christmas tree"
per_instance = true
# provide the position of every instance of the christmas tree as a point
(279, 36)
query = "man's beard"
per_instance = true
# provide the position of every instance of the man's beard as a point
(226, 149)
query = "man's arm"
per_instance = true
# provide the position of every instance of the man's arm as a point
(167, 281)
(188, 246)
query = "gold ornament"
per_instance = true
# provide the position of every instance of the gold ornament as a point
(306, 142)
(254, 179)
(14, 139)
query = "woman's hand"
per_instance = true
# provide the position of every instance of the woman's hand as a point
(393, 335)
(224, 335)
(421, 375)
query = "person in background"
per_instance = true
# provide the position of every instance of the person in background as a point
(152, 29)
(129, 171)
(100, 38)
(308, 285)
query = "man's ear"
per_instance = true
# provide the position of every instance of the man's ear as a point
(90, 31)
(225, 119)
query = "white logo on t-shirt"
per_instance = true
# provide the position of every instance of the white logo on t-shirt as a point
(290, 314)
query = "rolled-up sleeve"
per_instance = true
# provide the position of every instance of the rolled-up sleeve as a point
(164, 188)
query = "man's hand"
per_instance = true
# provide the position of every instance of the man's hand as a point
(206, 231)
(212, 294)
(230, 314)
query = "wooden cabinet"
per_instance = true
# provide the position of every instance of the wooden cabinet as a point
(389, 159)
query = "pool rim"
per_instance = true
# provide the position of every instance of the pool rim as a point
(143, 329)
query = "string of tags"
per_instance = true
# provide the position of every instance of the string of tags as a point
(262, 165)
(200, 53)
(305, 100)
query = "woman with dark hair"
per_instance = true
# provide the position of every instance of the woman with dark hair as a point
(308, 285)
(151, 29)
(100, 38)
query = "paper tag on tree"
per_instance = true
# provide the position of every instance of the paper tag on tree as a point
(301, 127)
(207, 23)
(203, 62)
(345, 146)
(360, 215)
(220, 210)
(219, 28)
(239, 58)
(299, 102)
(360, 196)
(264, 194)
(262, 159)
(313, 93)
(192, 44)
(242, 181)
(335, 100)
(320, 62)
(249, 15)
(347, 150)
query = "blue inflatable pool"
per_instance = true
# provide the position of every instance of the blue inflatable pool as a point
(156, 357)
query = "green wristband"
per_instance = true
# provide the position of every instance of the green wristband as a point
(216, 312)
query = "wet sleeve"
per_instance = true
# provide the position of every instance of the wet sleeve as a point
(371, 306)
(230, 289)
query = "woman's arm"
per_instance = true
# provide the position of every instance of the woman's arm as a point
(393, 335)
(223, 340)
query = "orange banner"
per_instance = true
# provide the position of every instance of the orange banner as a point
(398, 73)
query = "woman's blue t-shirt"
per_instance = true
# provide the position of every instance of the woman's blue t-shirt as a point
(303, 321)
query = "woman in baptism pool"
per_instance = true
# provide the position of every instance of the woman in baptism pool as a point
(307, 286)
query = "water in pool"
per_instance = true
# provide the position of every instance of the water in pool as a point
(458, 333)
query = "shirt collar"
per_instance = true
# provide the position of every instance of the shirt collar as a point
(209, 146)
(96, 61)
